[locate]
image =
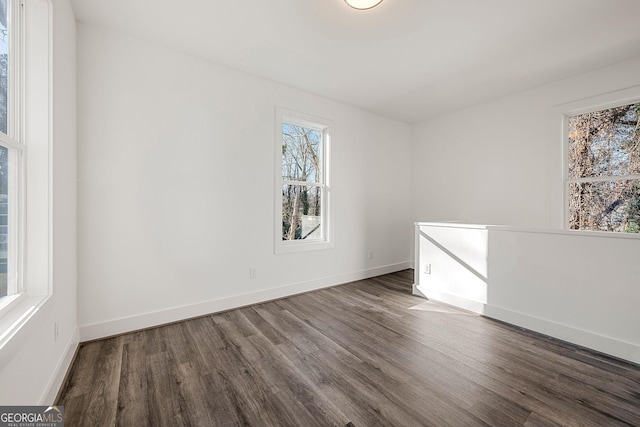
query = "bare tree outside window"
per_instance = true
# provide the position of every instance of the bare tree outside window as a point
(302, 178)
(604, 170)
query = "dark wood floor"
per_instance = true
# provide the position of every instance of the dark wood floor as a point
(366, 353)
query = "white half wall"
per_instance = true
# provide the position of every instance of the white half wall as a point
(33, 364)
(176, 197)
(581, 287)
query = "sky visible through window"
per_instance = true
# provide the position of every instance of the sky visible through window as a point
(301, 153)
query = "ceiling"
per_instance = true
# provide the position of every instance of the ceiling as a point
(405, 59)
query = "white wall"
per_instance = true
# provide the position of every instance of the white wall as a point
(175, 196)
(501, 163)
(581, 287)
(496, 163)
(37, 363)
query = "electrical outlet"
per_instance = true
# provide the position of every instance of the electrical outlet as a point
(253, 273)
(370, 254)
(427, 269)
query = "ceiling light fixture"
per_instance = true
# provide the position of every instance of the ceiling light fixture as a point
(363, 4)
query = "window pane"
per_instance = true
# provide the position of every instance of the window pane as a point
(4, 65)
(301, 153)
(605, 143)
(605, 206)
(4, 223)
(301, 212)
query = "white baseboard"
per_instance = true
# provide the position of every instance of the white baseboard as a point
(454, 300)
(594, 341)
(175, 314)
(614, 347)
(49, 396)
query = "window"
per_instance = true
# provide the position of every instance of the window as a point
(25, 161)
(302, 182)
(602, 183)
(11, 147)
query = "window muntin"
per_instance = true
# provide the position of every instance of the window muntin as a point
(302, 185)
(603, 170)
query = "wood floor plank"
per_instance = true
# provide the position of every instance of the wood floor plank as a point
(101, 399)
(161, 394)
(367, 353)
(133, 383)
(220, 401)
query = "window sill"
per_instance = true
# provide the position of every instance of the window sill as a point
(291, 247)
(8, 303)
(12, 320)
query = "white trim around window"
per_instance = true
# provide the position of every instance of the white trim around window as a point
(560, 115)
(33, 186)
(320, 235)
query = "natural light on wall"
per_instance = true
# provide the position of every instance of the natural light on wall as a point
(452, 264)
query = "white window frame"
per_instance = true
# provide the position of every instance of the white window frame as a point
(327, 128)
(14, 141)
(33, 185)
(560, 120)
